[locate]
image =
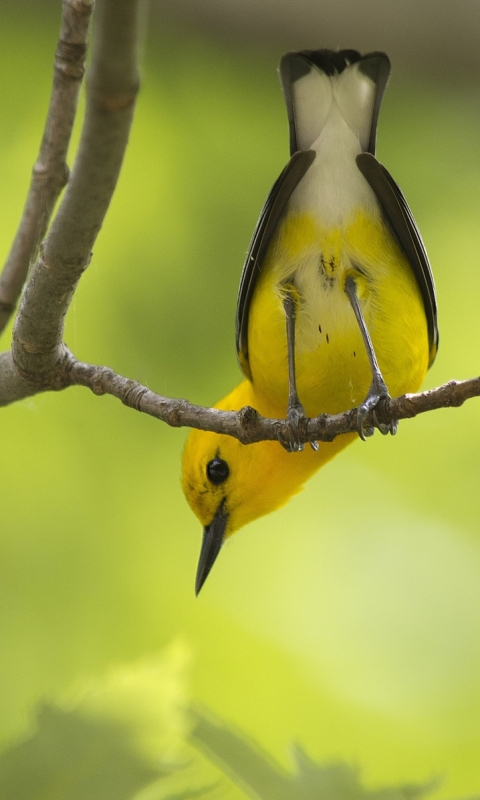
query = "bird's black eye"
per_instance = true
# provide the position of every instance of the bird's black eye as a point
(217, 471)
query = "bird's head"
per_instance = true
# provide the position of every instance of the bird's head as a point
(228, 484)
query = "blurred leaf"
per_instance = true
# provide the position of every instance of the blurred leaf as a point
(255, 771)
(190, 794)
(242, 760)
(341, 781)
(71, 758)
(147, 697)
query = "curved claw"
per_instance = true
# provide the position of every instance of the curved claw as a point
(362, 412)
(292, 445)
(385, 428)
(364, 432)
(295, 416)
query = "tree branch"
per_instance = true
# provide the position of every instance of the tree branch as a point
(248, 425)
(112, 85)
(12, 385)
(50, 171)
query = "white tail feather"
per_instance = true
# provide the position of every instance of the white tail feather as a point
(316, 96)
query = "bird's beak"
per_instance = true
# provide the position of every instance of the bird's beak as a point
(211, 544)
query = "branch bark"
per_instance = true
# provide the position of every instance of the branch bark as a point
(50, 171)
(248, 425)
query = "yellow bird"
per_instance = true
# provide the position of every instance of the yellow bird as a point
(336, 305)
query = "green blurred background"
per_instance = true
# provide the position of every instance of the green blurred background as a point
(348, 621)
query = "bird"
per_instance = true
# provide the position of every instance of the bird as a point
(336, 306)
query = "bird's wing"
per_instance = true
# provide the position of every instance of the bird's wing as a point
(403, 225)
(266, 226)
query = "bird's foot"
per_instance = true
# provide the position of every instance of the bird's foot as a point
(297, 428)
(378, 391)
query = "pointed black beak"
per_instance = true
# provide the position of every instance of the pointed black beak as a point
(211, 544)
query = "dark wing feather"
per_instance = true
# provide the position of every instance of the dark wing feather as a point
(403, 225)
(262, 235)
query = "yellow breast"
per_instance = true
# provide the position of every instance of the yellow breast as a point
(331, 363)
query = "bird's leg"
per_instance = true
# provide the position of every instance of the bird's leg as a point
(378, 387)
(295, 411)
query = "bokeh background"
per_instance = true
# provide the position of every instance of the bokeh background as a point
(348, 621)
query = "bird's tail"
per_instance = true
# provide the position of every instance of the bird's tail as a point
(312, 80)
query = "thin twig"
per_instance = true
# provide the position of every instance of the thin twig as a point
(248, 425)
(50, 171)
